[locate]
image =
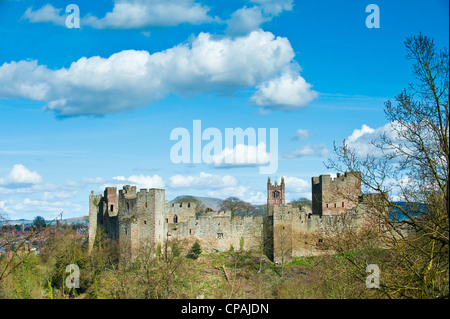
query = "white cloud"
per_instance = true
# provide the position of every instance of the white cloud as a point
(296, 188)
(245, 20)
(202, 180)
(29, 208)
(361, 139)
(131, 14)
(138, 14)
(358, 133)
(19, 174)
(288, 91)
(24, 79)
(248, 19)
(141, 14)
(58, 195)
(275, 7)
(307, 150)
(301, 134)
(242, 155)
(140, 181)
(131, 78)
(47, 13)
(242, 192)
(296, 185)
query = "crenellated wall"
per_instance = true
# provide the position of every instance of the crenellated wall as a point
(146, 217)
(218, 231)
(334, 196)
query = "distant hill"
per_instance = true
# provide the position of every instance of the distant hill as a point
(209, 202)
(74, 220)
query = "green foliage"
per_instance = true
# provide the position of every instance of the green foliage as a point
(241, 243)
(195, 251)
(49, 291)
(158, 249)
(302, 202)
(237, 207)
(26, 278)
(176, 252)
(39, 222)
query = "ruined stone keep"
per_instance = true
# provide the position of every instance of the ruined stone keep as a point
(135, 218)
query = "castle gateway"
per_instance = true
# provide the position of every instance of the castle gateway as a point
(135, 218)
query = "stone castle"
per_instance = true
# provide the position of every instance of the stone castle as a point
(146, 217)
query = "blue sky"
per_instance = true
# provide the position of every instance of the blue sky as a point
(83, 108)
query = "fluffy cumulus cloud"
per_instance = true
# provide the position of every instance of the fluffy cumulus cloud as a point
(202, 180)
(47, 13)
(296, 185)
(288, 91)
(245, 20)
(361, 139)
(20, 175)
(141, 14)
(136, 14)
(131, 78)
(242, 155)
(131, 14)
(248, 19)
(296, 188)
(307, 150)
(28, 196)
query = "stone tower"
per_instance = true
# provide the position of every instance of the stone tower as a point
(275, 195)
(334, 196)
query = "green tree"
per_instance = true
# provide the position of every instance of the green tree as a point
(302, 202)
(49, 291)
(237, 207)
(39, 222)
(195, 251)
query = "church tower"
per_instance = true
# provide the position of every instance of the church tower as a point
(275, 195)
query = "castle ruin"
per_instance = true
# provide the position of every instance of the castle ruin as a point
(136, 217)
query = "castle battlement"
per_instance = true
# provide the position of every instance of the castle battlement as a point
(184, 204)
(128, 191)
(134, 218)
(340, 178)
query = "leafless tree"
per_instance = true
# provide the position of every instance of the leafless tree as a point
(409, 172)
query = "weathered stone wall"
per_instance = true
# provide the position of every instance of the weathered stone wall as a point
(298, 233)
(218, 231)
(334, 196)
(179, 212)
(94, 216)
(145, 217)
